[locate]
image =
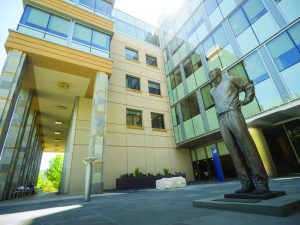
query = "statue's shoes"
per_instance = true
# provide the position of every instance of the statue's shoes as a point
(261, 191)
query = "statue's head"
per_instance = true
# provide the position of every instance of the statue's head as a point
(215, 74)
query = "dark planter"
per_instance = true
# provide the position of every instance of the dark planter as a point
(125, 183)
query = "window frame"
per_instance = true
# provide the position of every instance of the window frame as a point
(162, 120)
(153, 82)
(132, 50)
(151, 57)
(140, 117)
(136, 78)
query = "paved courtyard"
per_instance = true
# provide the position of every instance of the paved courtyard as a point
(142, 207)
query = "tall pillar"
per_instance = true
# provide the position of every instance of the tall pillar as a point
(10, 82)
(98, 127)
(13, 142)
(25, 146)
(35, 163)
(39, 160)
(32, 150)
(263, 150)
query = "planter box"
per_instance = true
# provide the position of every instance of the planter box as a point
(139, 182)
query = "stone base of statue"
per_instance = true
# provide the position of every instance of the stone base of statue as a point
(249, 195)
(274, 203)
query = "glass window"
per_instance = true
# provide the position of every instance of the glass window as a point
(289, 8)
(131, 54)
(35, 18)
(206, 96)
(196, 61)
(134, 118)
(238, 22)
(157, 120)
(189, 107)
(82, 34)
(188, 68)
(150, 60)
(89, 3)
(154, 87)
(254, 9)
(104, 6)
(58, 26)
(210, 6)
(100, 40)
(132, 82)
(283, 51)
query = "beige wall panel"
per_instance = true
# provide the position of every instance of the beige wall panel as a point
(133, 68)
(117, 56)
(146, 118)
(83, 124)
(162, 159)
(77, 175)
(115, 164)
(148, 131)
(116, 88)
(150, 161)
(134, 100)
(148, 141)
(116, 113)
(120, 65)
(117, 47)
(117, 77)
(85, 107)
(161, 142)
(171, 139)
(116, 97)
(162, 134)
(115, 139)
(135, 140)
(181, 161)
(115, 128)
(136, 158)
(82, 137)
(157, 105)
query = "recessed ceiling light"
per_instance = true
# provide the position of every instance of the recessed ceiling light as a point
(61, 107)
(56, 140)
(63, 85)
(58, 122)
(57, 132)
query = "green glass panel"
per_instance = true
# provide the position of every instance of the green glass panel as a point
(191, 83)
(201, 153)
(250, 109)
(212, 119)
(189, 129)
(38, 18)
(222, 148)
(198, 125)
(180, 91)
(200, 77)
(193, 153)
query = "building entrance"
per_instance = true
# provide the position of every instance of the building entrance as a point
(203, 165)
(284, 144)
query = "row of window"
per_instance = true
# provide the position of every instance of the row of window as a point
(134, 118)
(134, 83)
(250, 24)
(58, 27)
(134, 55)
(102, 6)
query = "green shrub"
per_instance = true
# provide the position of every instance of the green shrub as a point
(166, 171)
(137, 172)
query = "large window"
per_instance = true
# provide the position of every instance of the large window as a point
(206, 96)
(150, 60)
(285, 51)
(131, 54)
(190, 107)
(218, 50)
(45, 21)
(157, 120)
(252, 24)
(91, 37)
(289, 8)
(102, 6)
(175, 78)
(154, 87)
(252, 68)
(132, 82)
(134, 118)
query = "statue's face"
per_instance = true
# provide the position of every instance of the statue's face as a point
(214, 75)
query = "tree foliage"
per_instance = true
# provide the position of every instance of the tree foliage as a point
(49, 180)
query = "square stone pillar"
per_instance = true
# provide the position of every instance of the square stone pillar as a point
(10, 82)
(13, 141)
(98, 128)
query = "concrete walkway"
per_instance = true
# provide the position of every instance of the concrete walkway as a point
(142, 207)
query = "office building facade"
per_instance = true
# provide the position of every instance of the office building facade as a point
(88, 80)
(255, 40)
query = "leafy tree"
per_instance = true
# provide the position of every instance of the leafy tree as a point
(49, 180)
(53, 173)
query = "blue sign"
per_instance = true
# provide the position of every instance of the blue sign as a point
(217, 163)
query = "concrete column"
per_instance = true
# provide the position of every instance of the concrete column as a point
(31, 149)
(25, 146)
(10, 82)
(263, 150)
(98, 127)
(33, 161)
(13, 142)
(36, 163)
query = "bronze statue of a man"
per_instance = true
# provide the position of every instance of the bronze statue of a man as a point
(237, 139)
